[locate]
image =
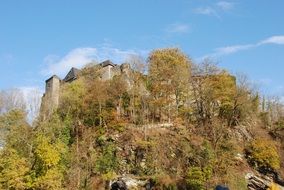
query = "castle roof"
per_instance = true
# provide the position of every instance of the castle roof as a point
(72, 75)
(53, 76)
(107, 63)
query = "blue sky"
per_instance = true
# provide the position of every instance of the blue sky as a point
(40, 38)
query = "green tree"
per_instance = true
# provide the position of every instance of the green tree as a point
(51, 153)
(72, 99)
(107, 161)
(15, 132)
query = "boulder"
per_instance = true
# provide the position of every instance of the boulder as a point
(128, 183)
(119, 185)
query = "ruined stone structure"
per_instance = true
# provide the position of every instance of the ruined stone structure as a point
(50, 99)
(105, 70)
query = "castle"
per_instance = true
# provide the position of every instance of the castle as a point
(106, 71)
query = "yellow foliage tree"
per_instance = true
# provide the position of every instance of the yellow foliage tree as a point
(263, 154)
(169, 74)
(13, 170)
(48, 169)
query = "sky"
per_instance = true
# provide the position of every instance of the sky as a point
(42, 38)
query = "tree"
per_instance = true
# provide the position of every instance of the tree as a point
(246, 102)
(117, 89)
(13, 170)
(12, 99)
(263, 155)
(50, 152)
(213, 93)
(52, 179)
(48, 167)
(169, 74)
(96, 98)
(137, 91)
(33, 103)
(16, 132)
(107, 161)
(72, 99)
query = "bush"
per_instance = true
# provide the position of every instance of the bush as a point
(196, 178)
(107, 162)
(262, 154)
(165, 182)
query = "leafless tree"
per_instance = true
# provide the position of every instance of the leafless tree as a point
(12, 99)
(33, 102)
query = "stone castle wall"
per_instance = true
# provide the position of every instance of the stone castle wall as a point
(51, 97)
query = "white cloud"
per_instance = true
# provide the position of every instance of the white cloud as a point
(225, 5)
(75, 58)
(206, 11)
(218, 52)
(215, 9)
(278, 40)
(233, 49)
(274, 40)
(81, 56)
(178, 28)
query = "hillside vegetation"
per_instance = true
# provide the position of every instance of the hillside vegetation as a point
(180, 126)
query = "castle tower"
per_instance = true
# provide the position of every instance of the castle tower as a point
(52, 88)
(50, 100)
(107, 70)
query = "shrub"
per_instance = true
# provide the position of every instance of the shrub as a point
(196, 178)
(107, 162)
(165, 182)
(262, 154)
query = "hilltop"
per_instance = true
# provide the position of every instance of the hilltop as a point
(166, 123)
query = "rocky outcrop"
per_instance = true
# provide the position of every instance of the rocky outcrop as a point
(257, 182)
(260, 182)
(241, 133)
(128, 183)
(119, 185)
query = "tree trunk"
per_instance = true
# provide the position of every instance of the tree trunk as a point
(100, 108)
(77, 158)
